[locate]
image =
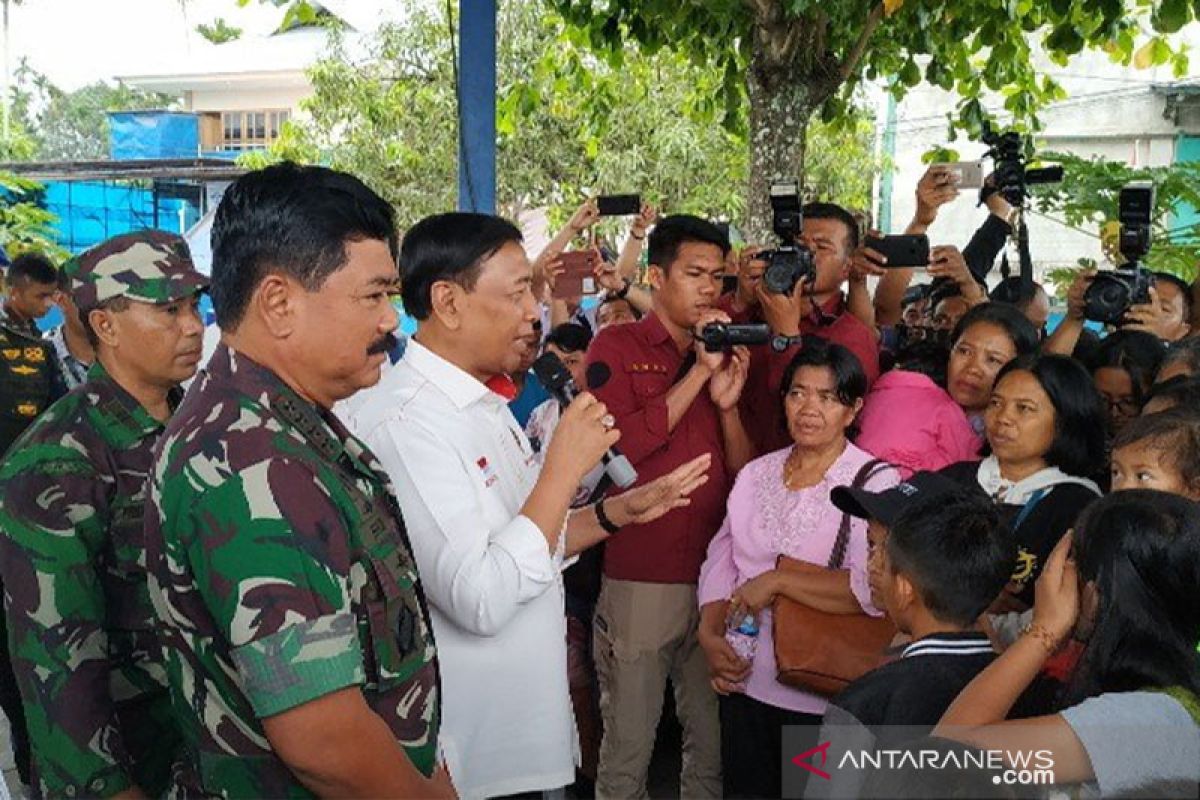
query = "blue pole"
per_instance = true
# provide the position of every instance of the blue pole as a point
(477, 106)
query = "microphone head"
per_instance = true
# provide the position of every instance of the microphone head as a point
(551, 372)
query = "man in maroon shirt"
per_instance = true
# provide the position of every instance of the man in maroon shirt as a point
(816, 309)
(672, 401)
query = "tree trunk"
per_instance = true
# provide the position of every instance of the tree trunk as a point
(780, 107)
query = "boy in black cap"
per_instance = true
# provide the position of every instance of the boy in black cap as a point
(939, 557)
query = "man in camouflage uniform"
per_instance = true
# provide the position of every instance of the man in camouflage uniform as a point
(28, 385)
(299, 649)
(29, 379)
(72, 350)
(72, 493)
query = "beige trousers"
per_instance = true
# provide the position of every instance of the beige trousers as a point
(644, 634)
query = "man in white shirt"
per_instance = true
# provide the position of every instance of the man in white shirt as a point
(489, 533)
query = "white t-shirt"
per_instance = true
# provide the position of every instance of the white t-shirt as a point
(462, 470)
(1140, 743)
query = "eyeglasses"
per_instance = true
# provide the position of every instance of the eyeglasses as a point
(1129, 406)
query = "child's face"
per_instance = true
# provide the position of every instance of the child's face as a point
(1141, 466)
(886, 591)
(879, 571)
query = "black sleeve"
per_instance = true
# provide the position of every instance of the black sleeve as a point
(963, 472)
(980, 253)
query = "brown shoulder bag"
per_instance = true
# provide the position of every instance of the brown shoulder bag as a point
(821, 652)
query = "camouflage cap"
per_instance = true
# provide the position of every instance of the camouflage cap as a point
(150, 266)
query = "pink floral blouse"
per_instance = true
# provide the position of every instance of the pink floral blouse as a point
(764, 520)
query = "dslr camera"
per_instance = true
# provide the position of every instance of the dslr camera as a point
(790, 262)
(1011, 175)
(1112, 293)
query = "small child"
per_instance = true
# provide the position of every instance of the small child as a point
(940, 556)
(908, 418)
(1159, 451)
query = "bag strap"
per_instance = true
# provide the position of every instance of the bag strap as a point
(1030, 504)
(865, 473)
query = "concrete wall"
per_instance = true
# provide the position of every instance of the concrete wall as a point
(236, 99)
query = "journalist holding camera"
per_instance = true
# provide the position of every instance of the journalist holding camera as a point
(794, 290)
(1129, 297)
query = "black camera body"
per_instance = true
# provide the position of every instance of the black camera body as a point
(1112, 293)
(789, 263)
(719, 336)
(1011, 175)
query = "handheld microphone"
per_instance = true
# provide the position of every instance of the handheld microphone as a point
(555, 376)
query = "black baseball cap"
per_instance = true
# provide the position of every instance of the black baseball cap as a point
(888, 505)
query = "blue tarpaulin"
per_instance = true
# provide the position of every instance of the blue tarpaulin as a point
(89, 213)
(153, 134)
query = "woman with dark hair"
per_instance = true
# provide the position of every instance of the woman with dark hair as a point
(780, 506)
(1123, 367)
(1045, 431)
(1130, 722)
(924, 419)
(985, 339)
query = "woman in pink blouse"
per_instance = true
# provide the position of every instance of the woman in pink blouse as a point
(780, 506)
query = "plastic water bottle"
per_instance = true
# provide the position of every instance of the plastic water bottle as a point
(742, 636)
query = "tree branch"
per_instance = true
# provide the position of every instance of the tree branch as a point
(860, 47)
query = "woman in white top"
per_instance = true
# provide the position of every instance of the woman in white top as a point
(1130, 722)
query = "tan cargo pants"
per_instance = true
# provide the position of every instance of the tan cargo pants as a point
(645, 633)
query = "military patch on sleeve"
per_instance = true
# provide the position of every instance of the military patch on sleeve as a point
(598, 374)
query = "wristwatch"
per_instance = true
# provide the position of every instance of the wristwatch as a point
(781, 342)
(624, 290)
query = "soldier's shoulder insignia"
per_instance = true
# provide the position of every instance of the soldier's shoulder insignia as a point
(35, 354)
(24, 370)
(28, 409)
(11, 353)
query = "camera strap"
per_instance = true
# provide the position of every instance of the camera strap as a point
(688, 362)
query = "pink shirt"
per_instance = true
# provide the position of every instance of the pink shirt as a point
(912, 422)
(764, 520)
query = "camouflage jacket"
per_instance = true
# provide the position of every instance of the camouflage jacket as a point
(81, 624)
(281, 568)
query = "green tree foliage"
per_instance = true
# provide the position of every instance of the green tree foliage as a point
(1087, 197)
(53, 125)
(24, 225)
(789, 58)
(219, 31)
(568, 124)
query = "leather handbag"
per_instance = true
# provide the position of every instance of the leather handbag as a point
(820, 652)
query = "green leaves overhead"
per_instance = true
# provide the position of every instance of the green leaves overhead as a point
(951, 33)
(569, 122)
(1171, 15)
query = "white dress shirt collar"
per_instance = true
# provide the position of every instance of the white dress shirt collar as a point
(460, 386)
